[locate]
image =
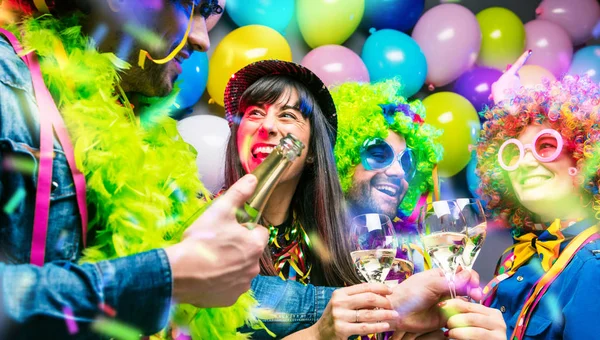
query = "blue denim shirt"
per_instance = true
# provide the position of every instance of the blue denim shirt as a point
(33, 299)
(570, 307)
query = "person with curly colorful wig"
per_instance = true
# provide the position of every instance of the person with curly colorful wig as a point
(539, 174)
(385, 153)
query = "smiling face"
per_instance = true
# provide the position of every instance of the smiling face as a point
(545, 189)
(157, 26)
(263, 125)
(379, 191)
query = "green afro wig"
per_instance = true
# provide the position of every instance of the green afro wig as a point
(363, 112)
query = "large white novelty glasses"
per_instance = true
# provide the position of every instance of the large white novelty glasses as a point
(546, 147)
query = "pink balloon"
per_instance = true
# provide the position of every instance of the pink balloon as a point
(551, 46)
(532, 75)
(336, 64)
(450, 38)
(577, 17)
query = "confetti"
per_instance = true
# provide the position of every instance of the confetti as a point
(70, 320)
(147, 37)
(12, 203)
(24, 165)
(108, 310)
(115, 329)
(319, 247)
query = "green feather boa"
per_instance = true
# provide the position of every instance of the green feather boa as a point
(141, 176)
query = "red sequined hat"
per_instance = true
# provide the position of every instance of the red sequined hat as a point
(242, 79)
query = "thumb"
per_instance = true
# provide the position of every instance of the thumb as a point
(235, 197)
(261, 235)
(465, 280)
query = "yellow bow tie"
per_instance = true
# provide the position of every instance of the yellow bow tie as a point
(547, 245)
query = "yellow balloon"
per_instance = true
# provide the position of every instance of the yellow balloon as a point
(503, 37)
(457, 118)
(239, 48)
(327, 22)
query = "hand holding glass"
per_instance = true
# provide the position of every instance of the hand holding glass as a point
(442, 228)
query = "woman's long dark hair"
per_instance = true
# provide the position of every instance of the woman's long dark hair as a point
(318, 200)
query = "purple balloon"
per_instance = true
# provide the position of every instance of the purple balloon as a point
(450, 37)
(577, 17)
(335, 64)
(551, 46)
(476, 85)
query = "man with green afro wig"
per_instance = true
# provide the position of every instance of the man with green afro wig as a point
(385, 153)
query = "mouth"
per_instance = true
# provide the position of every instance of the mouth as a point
(262, 150)
(181, 57)
(388, 189)
(533, 181)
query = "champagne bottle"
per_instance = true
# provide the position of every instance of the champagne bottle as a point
(268, 173)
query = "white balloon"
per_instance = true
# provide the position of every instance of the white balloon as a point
(209, 136)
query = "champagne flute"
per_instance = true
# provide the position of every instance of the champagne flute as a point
(374, 239)
(441, 226)
(476, 229)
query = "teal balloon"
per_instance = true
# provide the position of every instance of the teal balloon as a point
(586, 61)
(276, 14)
(389, 53)
(473, 180)
(192, 80)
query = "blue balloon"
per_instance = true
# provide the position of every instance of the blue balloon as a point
(276, 14)
(473, 180)
(400, 15)
(587, 61)
(192, 80)
(390, 53)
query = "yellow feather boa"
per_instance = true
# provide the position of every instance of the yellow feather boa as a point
(142, 181)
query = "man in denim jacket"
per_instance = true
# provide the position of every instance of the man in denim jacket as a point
(139, 288)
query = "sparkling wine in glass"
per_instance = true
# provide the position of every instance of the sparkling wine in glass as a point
(441, 226)
(403, 265)
(374, 239)
(476, 227)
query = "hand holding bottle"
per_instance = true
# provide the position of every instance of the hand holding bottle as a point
(217, 257)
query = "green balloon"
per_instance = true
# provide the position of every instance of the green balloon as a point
(503, 37)
(328, 22)
(457, 118)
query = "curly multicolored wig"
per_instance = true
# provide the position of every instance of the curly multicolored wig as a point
(371, 110)
(570, 106)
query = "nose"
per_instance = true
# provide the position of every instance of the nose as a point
(395, 170)
(268, 127)
(528, 160)
(198, 38)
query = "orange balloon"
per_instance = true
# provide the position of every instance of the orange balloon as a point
(239, 48)
(532, 75)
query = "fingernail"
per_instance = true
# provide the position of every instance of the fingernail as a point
(395, 314)
(446, 333)
(442, 304)
(251, 179)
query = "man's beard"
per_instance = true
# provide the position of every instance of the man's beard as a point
(151, 81)
(361, 201)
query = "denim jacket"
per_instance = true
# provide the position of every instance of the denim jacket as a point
(34, 300)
